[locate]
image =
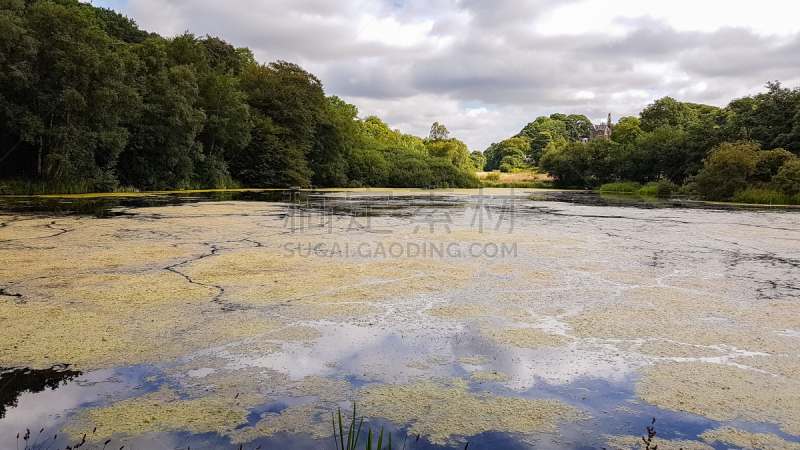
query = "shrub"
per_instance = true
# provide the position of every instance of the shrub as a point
(727, 169)
(494, 176)
(660, 189)
(788, 178)
(769, 162)
(625, 186)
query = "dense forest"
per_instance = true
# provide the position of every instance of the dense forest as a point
(91, 103)
(747, 151)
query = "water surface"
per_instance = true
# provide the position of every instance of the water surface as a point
(226, 318)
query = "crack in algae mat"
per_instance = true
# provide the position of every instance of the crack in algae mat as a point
(215, 324)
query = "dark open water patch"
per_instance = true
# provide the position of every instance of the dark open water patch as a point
(15, 382)
(378, 202)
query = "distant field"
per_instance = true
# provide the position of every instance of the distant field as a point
(521, 177)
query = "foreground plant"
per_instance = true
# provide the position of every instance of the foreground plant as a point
(353, 434)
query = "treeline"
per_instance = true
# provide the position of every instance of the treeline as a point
(534, 138)
(88, 99)
(747, 151)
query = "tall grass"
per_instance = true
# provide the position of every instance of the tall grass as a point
(625, 186)
(353, 433)
(765, 197)
(26, 187)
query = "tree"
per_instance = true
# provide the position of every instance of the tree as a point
(770, 118)
(575, 126)
(288, 105)
(478, 160)
(451, 149)
(221, 55)
(120, 27)
(226, 129)
(541, 132)
(769, 162)
(270, 160)
(338, 134)
(582, 124)
(666, 113)
(512, 151)
(727, 169)
(666, 153)
(627, 130)
(566, 162)
(163, 150)
(438, 132)
(67, 90)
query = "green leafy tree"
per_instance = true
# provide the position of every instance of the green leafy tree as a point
(666, 153)
(769, 162)
(566, 162)
(666, 113)
(288, 105)
(222, 55)
(119, 27)
(478, 160)
(627, 130)
(438, 132)
(451, 149)
(270, 160)
(163, 150)
(67, 90)
(575, 126)
(770, 118)
(542, 132)
(226, 129)
(516, 148)
(582, 124)
(338, 134)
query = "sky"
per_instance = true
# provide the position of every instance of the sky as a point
(485, 68)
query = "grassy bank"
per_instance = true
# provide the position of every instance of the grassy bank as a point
(28, 187)
(765, 197)
(659, 189)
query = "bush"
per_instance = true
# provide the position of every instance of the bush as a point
(660, 189)
(769, 162)
(494, 176)
(625, 186)
(788, 178)
(648, 191)
(727, 169)
(506, 168)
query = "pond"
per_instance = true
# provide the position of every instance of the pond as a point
(498, 318)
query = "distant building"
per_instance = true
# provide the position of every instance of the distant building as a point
(601, 131)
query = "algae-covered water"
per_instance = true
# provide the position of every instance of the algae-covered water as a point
(506, 319)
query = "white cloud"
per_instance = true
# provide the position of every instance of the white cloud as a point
(390, 32)
(485, 68)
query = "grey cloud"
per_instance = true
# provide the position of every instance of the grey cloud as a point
(488, 52)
